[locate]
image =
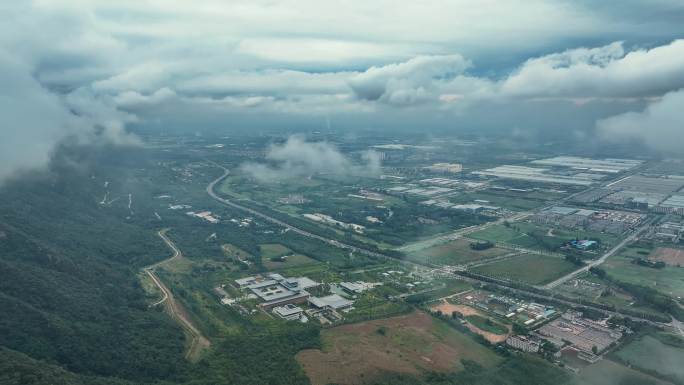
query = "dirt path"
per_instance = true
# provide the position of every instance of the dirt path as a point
(175, 309)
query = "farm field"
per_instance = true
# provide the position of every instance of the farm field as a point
(668, 280)
(536, 236)
(275, 256)
(497, 233)
(624, 301)
(455, 252)
(670, 256)
(408, 344)
(531, 268)
(650, 353)
(605, 372)
(637, 250)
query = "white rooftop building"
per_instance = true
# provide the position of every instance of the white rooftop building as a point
(334, 301)
(289, 312)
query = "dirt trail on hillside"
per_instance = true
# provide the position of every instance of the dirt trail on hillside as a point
(175, 309)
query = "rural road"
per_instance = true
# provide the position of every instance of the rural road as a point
(600, 260)
(197, 341)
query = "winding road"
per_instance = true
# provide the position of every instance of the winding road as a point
(197, 341)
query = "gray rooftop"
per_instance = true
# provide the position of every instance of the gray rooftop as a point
(334, 301)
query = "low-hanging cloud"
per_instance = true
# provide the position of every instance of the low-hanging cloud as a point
(606, 72)
(410, 82)
(659, 125)
(35, 120)
(298, 157)
(603, 72)
(35, 117)
(182, 65)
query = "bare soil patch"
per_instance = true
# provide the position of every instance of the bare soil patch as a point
(671, 257)
(448, 308)
(358, 353)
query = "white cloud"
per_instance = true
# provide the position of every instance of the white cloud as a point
(318, 51)
(310, 58)
(578, 75)
(600, 72)
(270, 82)
(408, 82)
(35, 120)
(659, 125)
(136, 99)
(298, 157)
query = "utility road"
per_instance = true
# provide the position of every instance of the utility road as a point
(175, 309)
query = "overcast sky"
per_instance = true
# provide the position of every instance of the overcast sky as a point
(69, 66)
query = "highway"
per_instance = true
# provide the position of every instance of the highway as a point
(336, 243)
(332, 242)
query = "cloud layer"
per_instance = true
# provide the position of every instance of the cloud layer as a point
(300, 158)
(84, 66)
(34, 119)
(660, 125)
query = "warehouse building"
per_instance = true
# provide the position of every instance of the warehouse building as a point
(331, 302)
(609, 166)
(526, 344)
(276, 290)
(289, 312)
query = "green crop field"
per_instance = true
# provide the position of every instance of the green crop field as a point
(668, 280)
(538, 236)
(290, 261)
(270, 250)
(652, 354)
(531, 268)
(497, 233)
(455, 252)
(605, 372)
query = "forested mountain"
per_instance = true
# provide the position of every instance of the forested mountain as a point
(69, 294)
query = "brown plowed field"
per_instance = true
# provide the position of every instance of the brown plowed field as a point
(357, 353)
(671, 257)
